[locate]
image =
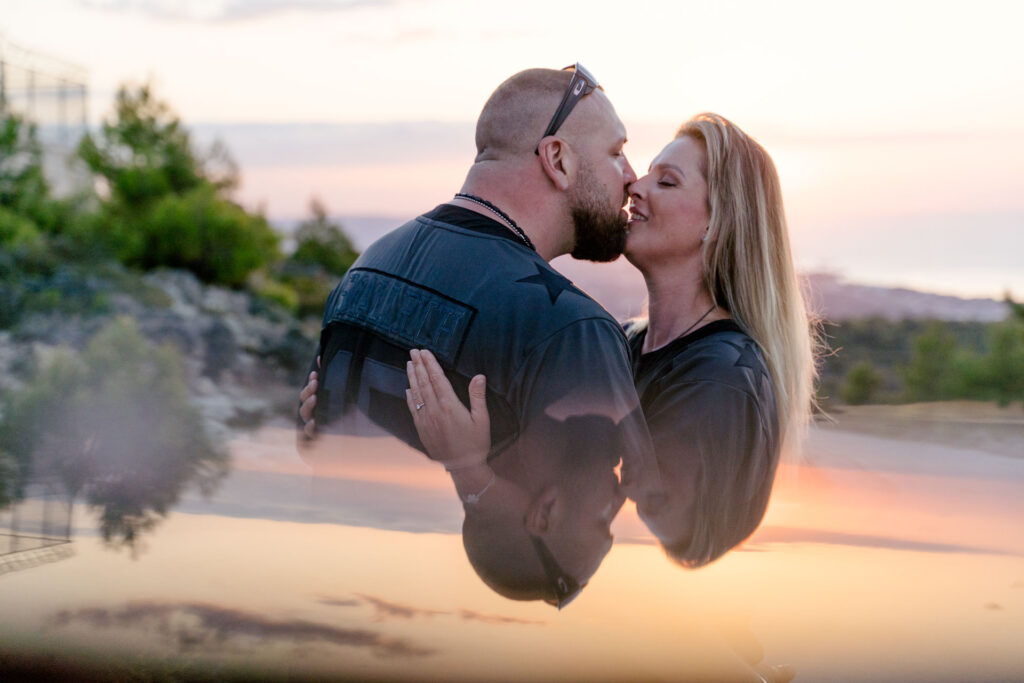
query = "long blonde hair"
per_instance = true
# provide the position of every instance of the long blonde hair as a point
(748, 270)
(748, 267)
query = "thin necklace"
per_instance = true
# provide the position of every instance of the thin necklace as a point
(687, 330)
(680, 336)
(500, 214)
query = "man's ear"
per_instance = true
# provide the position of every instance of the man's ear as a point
(557, 161)
(545, 511)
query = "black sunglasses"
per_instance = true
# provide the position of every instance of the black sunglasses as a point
(565, 587)
(581, 84)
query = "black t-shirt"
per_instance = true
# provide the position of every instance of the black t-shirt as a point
(464, 286)
(709, 395)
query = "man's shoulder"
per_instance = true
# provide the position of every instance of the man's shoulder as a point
(483, 292)
(483, 271)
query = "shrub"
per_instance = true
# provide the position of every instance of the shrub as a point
(930, 372)
(275, 291)
(17, 232)
(322, 243)
(210, 236)
(23, 187)
(861, 383)
(1005, 361)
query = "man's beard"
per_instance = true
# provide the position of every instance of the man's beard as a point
(600, 233)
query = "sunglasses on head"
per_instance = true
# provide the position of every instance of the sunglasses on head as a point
(564, 586)
(581, 84)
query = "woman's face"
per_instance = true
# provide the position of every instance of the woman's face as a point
(669, 207)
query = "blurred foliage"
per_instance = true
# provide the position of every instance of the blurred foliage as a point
(159, 204)
(165, 205)
(10, 479)
(276, 292)
(1006, 361)
(55, 278)
(18, 233)
(319, 242)
(921, 360)
(215, 239)
(929, 375)
(115, 426)
(888, 346)
(323, 252)
(861, 383)
(24, 192)
(143, 152)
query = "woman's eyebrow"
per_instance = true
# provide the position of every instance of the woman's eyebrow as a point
(664, 165)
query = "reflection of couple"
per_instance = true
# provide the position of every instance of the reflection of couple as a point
(722, 367)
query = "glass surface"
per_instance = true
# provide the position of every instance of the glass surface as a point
(881, 558)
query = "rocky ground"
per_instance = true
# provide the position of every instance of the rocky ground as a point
(245, 359)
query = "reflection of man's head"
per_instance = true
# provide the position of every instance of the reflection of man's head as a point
(544, 545)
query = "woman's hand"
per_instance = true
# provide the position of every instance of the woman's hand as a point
(453, 436)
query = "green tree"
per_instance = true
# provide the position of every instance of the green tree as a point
(1005, 361)
(930, 372)
(861, 383)
(322, 254)
(18, 232)
(320, 242)
(215, 239)
(143, 153)
(23, 188)
(115, 426)
(1016, 309)
(167, 205)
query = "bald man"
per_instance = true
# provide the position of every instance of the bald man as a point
(470, 281)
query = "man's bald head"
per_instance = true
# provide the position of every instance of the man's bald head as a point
(514, 117)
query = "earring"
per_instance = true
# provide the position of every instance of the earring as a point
(706, 233)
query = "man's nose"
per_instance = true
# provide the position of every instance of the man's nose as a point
(628, 174)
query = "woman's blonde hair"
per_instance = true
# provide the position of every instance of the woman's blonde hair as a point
(748, 271)
(748, 267)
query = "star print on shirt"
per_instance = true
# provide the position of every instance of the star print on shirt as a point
(550, 280)
(748, 358)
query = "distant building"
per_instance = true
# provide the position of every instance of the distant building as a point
(51, 94)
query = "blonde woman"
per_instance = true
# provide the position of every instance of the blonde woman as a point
(724, 363)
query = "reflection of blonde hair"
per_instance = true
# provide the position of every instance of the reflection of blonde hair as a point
(748, 270)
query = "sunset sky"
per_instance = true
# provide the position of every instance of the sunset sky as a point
(897, 127)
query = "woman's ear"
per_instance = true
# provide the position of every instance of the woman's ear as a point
(557, 161)
(544, 512)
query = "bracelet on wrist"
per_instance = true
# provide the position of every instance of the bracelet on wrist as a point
(474, 498)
